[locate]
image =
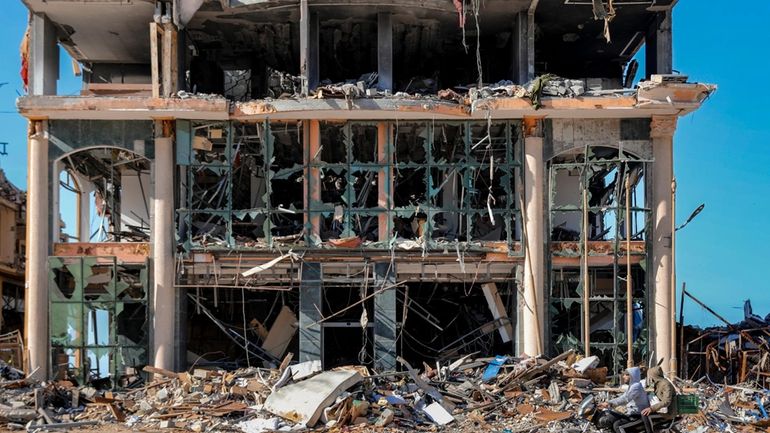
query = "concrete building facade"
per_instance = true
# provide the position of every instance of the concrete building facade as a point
(350, 182)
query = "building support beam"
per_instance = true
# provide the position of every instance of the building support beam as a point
(44, 56)
(163, 296)
(521, 48)
(85, 188)
(309, 51)
(310, 304)
(312, 145)
(385, 317)
(170, 60)
(36, 294)
(384, 182)
(662, 133)
(532, 324)
(385, 51)
(659, 45)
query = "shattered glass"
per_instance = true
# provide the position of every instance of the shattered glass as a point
(105, 315)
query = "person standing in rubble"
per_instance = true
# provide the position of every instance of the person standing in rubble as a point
(665, 393)
(635, 399)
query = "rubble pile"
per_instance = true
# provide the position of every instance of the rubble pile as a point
(282, 85)
(502, 394)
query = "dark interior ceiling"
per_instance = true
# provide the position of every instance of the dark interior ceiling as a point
(571, 43)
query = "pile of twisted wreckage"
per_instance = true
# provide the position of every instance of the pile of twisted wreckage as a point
(501, 393)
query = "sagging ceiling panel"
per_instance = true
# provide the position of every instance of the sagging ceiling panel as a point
(101, 31)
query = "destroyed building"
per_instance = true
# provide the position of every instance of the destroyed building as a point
(12, 245)
(350, 181)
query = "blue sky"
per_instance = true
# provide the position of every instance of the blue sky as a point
(719, 154)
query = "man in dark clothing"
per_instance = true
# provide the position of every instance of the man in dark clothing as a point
(664, 410)
(665, 392)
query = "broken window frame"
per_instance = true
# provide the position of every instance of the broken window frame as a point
(467, 165)
(620, 163)
(77, 344)
(228, 213)
(508, 213)
(350, 166)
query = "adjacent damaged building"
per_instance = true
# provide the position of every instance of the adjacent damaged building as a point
(349, 181)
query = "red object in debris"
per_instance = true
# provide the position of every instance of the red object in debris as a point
(460, 11)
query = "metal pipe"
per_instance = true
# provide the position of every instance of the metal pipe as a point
(586, 291)
(629, 299)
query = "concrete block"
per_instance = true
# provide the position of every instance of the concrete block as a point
(303, 402)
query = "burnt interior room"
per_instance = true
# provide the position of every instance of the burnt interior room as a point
(567, 31)
(233, 54)
(441, 320)
(229, 327)
(432, 51)
(432, 48)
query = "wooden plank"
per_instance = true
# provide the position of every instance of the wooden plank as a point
(281, 333)
(160, 371)
(497, 308)
(154, 60)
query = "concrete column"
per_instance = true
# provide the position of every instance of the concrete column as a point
(311, 130)
(385, 318)
(36, 296)
(308, 47)
(520, 48)
(659, 45)
(84, 208)
(163, 296)
(662, 134)
(44, 56)
(310, 304)
(384, 182)
(532, 311)
(385, 51)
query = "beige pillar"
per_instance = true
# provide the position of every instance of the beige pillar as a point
(532, 307)
(36, 293)
(84, 208)
(662, 134)
(164, 299)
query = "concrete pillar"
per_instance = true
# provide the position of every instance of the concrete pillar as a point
(659, 45)
(385, 51)
(520, 48)
(163, 296)
(662, 133)
(44, 56)
(36, 296)
(84, 208)
(532, 311)
(385, 318)
(308, 47)
(310, 304)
